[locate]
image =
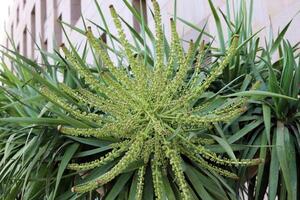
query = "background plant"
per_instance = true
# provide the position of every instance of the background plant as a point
(269, 127)
(280, 129)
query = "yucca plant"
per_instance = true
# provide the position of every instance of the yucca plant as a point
(172, 143)
(149, 113)
(30, 147)
(273, 107)
(279, 133)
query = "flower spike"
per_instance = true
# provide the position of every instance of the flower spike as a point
(150, 112)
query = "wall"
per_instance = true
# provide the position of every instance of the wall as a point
(195, 11)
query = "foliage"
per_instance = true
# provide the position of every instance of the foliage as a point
(30, 149)
(271, 125)
(280, 129)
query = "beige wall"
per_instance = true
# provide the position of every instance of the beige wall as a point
(195, 11)
(47, 30)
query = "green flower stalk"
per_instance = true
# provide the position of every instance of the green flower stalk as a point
(140, 184)
(149, 113)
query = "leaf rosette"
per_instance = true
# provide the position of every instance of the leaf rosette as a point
(150, 110)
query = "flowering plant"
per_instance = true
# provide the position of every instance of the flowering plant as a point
(151, 112)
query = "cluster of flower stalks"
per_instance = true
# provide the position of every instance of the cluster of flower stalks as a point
(149, 110)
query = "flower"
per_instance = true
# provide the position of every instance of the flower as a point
(150, 112)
